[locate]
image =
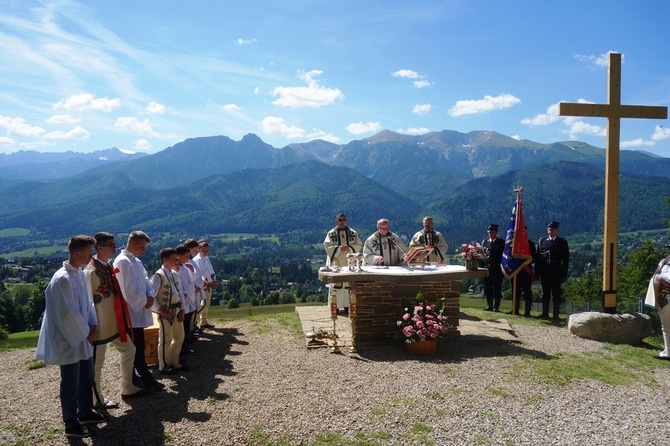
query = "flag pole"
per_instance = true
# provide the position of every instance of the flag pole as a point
(514, 297)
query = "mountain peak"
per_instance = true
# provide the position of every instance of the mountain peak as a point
(389, 136)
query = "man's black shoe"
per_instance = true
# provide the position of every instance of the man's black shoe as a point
(168, 371)
(78, 431)
(662, 358)
(92, 418)
(488, 309)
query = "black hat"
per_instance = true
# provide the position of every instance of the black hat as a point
(552, 225)
(492, 227)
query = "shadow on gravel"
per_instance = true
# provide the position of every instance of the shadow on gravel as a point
(450, 351)
(142, 423)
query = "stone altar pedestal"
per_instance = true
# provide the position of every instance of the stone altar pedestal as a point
(379, 292)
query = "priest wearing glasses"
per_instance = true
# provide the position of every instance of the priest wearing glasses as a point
(384, 247)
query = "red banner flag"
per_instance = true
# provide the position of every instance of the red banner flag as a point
(516, 254)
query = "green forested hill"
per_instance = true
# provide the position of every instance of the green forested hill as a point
(571, 193)
(306, 196)
(298, 196)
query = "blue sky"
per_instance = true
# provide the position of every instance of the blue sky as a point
(144, 75)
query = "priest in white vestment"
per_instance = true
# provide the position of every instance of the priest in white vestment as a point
(340, 241)
(430, 237)
(384, 247)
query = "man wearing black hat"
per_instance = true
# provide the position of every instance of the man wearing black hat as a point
(552, 267)
(493, 247)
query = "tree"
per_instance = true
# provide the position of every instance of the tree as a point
(35, 307)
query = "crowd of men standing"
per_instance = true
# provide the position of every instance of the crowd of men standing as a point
(113, 301)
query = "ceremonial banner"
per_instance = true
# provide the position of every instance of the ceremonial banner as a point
(516, 254)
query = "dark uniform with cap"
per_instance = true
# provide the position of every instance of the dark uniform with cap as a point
(552, 262)
(493, 247)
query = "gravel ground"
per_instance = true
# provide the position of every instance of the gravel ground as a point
(256, 384)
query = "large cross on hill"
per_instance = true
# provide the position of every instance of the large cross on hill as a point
(613, 111)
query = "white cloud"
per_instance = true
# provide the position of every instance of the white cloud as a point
(549, 117)
(485, 105)
(86, 101)
(62, 119)
(660, 133)
(276, 125)
(358, 128)
(154, 108)
(639, 142)
(517, 137)
(133, 124)
(6, 141)
(257, 90)
(314, 95)
(419, 82)
(581, 127)
(142, 145)
(241, 41)
(407, 74)
(415, 131)
(18, 126)
(420, 109)
(231, 107)
(320, 134)
(597, 61)
(78, 132)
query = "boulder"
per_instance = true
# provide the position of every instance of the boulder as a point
(629, 328)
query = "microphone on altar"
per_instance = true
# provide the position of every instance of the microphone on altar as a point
(395, 244)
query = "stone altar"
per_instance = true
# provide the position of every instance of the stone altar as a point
(378, 292)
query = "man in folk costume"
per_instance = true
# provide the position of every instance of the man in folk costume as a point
(429, 237)
(552, 265)
(340, 241)
(114, 325)
(200, 296)
(384, 247)
(68, 328)
(186, 275)
(169, 307)
(209, 278)
(136, 289)
(493, 247)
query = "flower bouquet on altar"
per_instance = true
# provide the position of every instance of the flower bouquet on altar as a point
(423, 323)
(472, 254)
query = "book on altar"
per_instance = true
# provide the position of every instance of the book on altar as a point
(418, 254)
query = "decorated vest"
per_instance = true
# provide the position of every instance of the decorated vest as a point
(166, 296)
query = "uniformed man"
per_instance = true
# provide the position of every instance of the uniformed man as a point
(552, 265)
(493, 247)
(523, 282)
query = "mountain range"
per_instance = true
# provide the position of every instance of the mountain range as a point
(215, 184)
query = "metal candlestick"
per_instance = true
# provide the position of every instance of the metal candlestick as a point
(333, 316)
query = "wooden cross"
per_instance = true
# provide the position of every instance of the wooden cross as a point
(613, 111)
